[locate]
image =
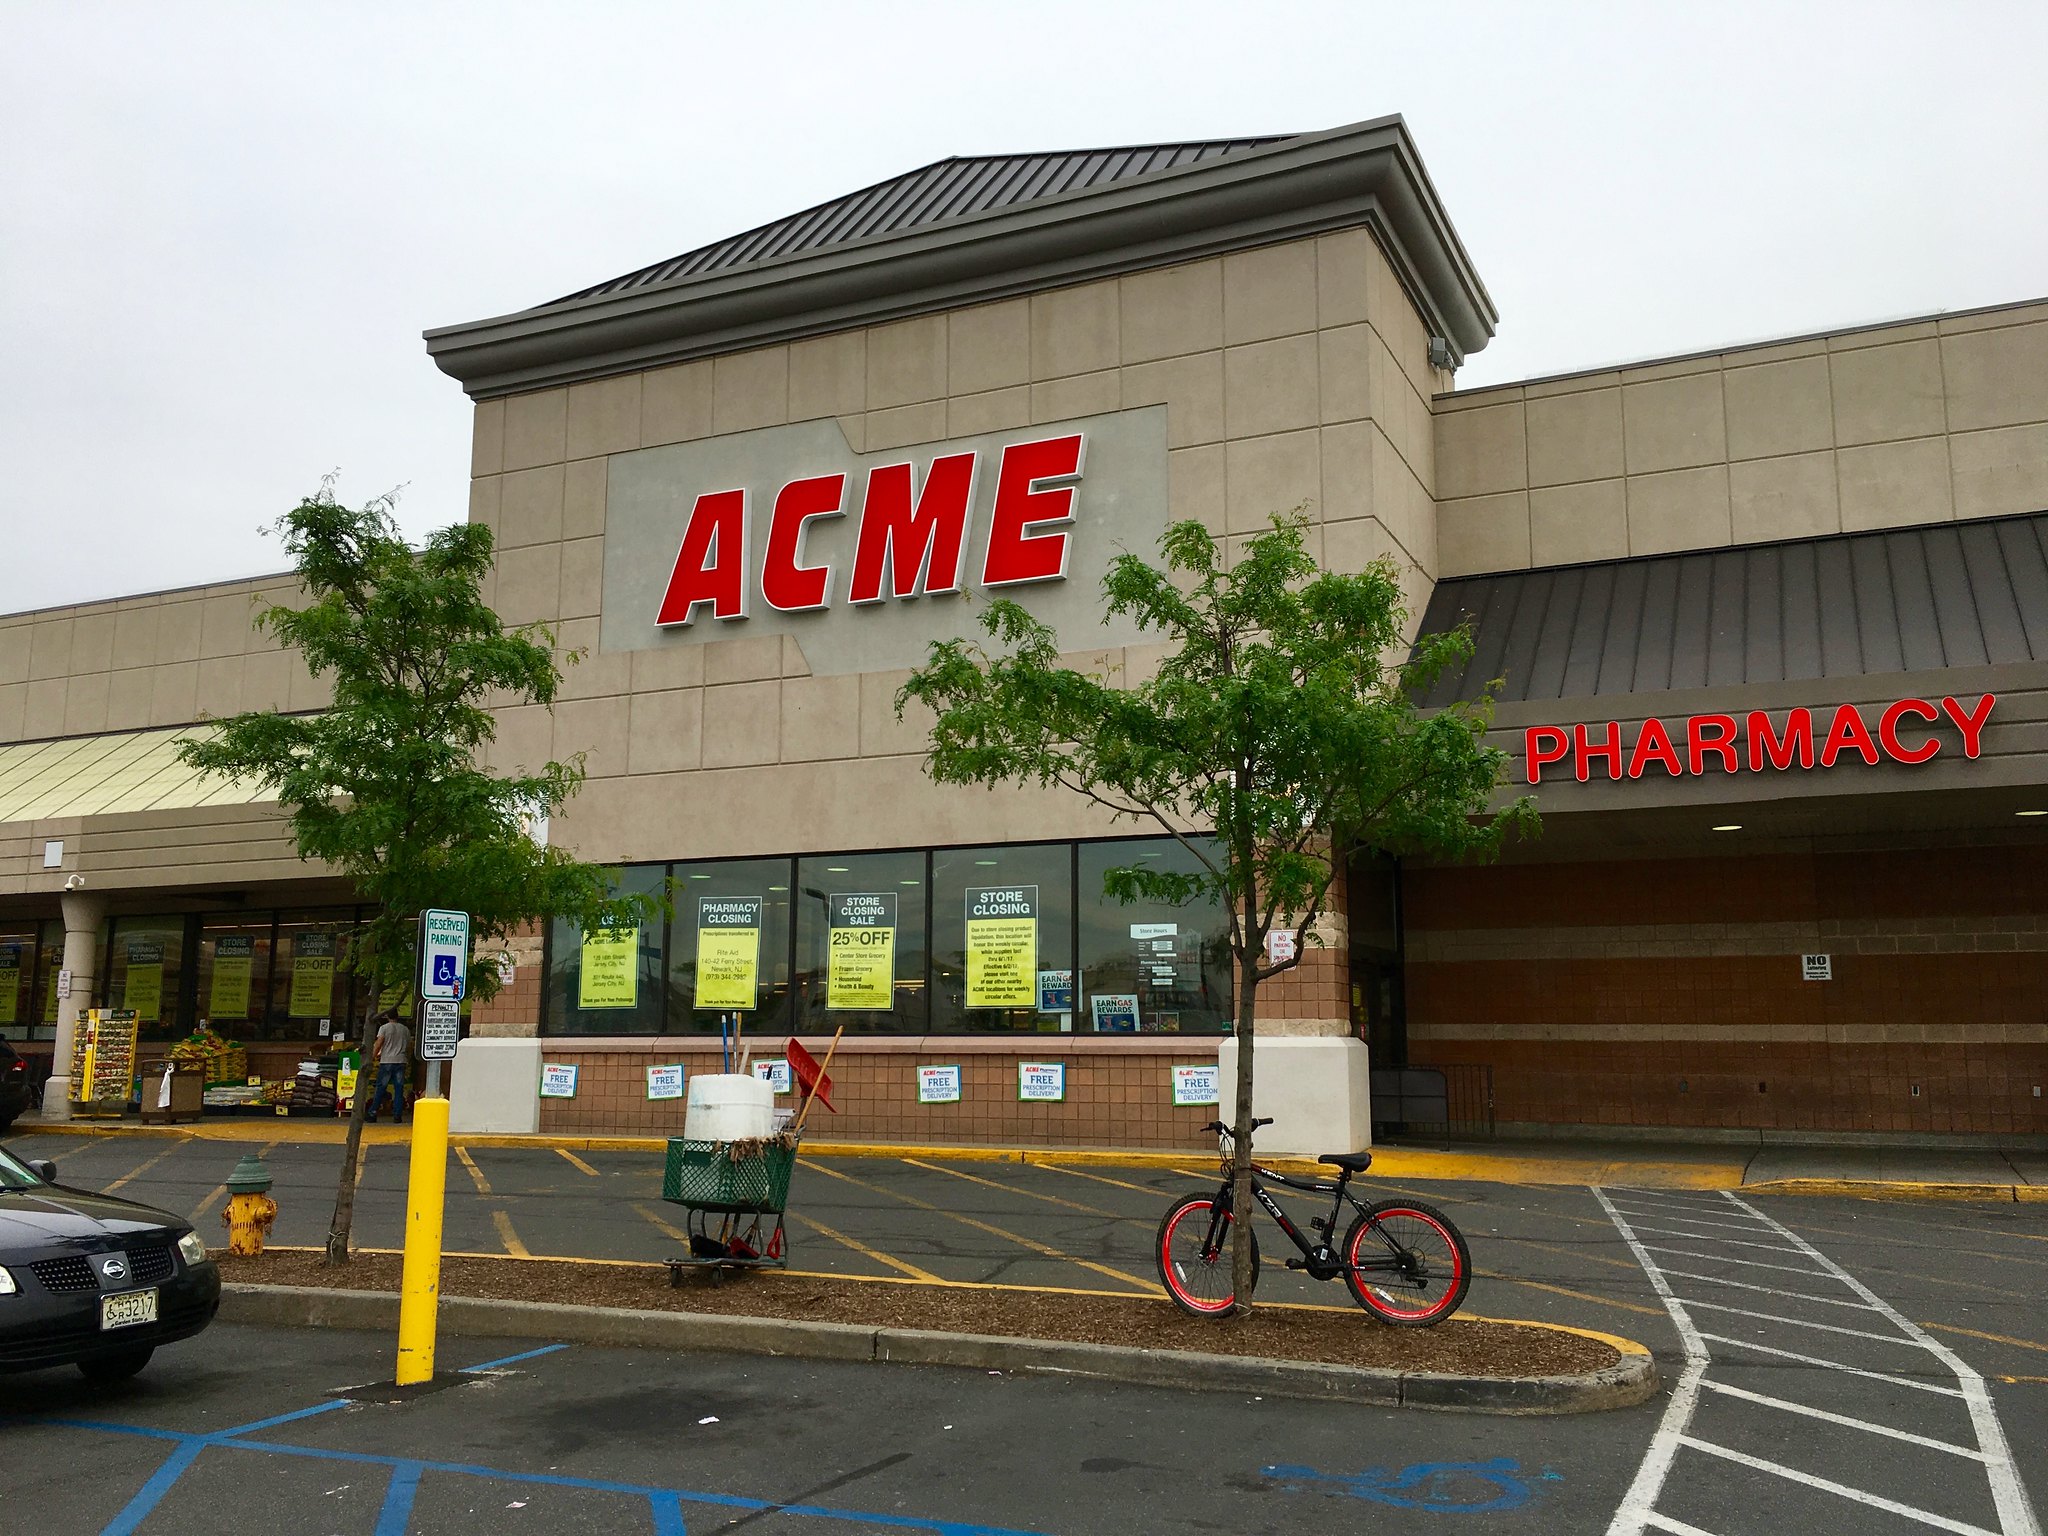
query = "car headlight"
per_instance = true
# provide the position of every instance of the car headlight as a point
(192, 1248)
(7, 1285)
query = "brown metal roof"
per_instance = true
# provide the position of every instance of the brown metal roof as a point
(1896, 600)
(947, 189)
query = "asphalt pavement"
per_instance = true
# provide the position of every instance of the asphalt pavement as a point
(1845, 1365)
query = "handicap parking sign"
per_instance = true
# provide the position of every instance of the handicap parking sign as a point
(444, 954)
(444, 970)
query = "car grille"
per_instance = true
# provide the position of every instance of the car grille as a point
(72, 1274)
(146, 1266)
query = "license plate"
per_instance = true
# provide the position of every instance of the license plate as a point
(125, 1311)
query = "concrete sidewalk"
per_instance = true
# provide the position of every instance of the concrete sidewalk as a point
(1904, 1172)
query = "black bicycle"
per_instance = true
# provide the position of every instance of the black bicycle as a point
(1405, 1262)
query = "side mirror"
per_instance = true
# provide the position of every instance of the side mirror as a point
(43, 1169)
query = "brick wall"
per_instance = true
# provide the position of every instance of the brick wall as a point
(1669, 992)
(1119, 1092)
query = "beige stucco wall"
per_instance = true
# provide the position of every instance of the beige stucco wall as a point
(1293, 374)
(1890, 425)
(163, 658)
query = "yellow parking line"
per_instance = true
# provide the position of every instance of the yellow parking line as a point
(1146, 1287)
(1991, 1338)
(865, 1251)
(1559, 1290)
(667, 1229)
(483, 1185)
(362, 1163)
(574, 1161)
(510, 1238)
(1011, 1189)
(1097, 1177)
(143, 1167)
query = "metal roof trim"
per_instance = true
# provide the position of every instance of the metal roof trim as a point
(1365, 174)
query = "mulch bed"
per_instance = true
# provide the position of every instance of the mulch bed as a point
(1273, 1331)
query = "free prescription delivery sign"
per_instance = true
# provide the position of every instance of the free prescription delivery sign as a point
(867, 557)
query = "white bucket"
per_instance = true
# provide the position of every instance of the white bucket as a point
(728, 1106)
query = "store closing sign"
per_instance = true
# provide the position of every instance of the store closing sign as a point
(860, 969)
(728, 951)
(1002, 946)
(1908, 731)
(609, 976)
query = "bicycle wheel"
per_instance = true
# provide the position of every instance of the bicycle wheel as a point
(1199, 1283)
(1434, 1265)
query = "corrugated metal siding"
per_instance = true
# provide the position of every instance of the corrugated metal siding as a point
(1898, 600)
(933, 194)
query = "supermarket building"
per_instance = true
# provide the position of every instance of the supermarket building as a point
(1772, 624)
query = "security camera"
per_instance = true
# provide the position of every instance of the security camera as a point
(75, 883)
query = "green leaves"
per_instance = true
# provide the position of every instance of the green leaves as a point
(1279, 718)
(385, 786)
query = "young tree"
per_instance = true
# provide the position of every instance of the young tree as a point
(385, 786)
(1275, 723)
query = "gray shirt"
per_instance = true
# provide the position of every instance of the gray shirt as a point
(394, 1043)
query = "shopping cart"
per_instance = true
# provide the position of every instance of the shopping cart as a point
(734, 1193)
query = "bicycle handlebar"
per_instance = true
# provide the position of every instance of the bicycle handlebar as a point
(1223, 1130)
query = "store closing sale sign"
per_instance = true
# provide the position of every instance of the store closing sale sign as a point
(312, 975)
(728, 951)
(610, 975)
(228, 995)
(1002, 946)
(861, 968)
(10, 983)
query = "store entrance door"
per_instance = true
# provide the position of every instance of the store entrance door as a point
(1377, 1015)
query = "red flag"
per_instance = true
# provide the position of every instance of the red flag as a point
(809, 1075)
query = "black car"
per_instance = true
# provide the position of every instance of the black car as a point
(17, 1085)
(92, 1281)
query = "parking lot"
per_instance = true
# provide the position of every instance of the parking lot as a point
(1866, 1365)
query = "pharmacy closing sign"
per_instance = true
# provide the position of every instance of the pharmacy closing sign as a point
(861, 967)
(1002, 946)
(728, 951)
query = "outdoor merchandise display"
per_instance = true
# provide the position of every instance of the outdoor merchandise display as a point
(103, 1062)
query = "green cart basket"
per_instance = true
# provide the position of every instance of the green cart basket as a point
(734, 1193)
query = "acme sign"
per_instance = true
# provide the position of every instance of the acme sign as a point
(1900, 732)
(912, 538)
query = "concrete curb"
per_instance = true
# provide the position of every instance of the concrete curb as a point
(1630, 1380)
(1902, 1189)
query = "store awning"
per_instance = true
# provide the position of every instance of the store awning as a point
(1895, 600)
(103, 775)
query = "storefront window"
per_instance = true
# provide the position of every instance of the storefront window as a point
(729, 946)
(310, 991)
(1150, 967)
(1001, 918)
(234, 974)
(49, 960)
(608, 982)
(17, 980)
(144, 968)
(860, 943)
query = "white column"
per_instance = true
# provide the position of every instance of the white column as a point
(82, 917)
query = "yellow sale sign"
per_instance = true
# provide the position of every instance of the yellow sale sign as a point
(728, 951)
(860, 966)
(1002, 947)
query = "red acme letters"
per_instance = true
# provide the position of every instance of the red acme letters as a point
(912, 538)
(1754, 742)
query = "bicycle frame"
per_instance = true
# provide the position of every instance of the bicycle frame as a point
(1319, 1259)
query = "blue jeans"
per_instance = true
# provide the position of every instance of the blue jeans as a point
(390, 1074)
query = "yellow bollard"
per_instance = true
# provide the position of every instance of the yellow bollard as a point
(420, 1288)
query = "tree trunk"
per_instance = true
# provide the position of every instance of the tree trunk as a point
(1241, 1134)
(345, 1194)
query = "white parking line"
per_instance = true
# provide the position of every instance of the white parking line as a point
(1722, 1258)
(1765, 1400)
(1770, 1290)
(1833, 1365)
(1638, 1513)
(1840, 1490)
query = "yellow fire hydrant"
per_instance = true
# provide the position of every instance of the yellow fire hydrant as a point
(250, 1209)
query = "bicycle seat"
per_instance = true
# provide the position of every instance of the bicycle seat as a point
(1350, 1162)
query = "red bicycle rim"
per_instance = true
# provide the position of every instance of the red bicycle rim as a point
(1168, 1263)
(1448, 1283)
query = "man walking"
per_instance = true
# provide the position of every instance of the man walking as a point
(392, 1048)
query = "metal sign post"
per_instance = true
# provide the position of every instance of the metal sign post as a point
(444, 974)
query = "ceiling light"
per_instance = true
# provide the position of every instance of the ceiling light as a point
(835, 869)
(984, 863)
(778, 887)
(2030, 813)
(1732, 826)
(910, 882)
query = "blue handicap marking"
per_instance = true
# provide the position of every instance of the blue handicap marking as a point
(444, 970)
(1440, 1487)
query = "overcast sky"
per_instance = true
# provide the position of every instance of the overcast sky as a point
(223, 227)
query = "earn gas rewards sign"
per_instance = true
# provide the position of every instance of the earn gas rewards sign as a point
(867, 557)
